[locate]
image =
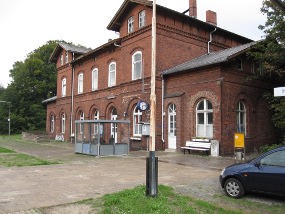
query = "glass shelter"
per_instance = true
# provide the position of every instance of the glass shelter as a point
(102, 137)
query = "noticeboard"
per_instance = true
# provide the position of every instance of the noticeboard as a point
(239, 140)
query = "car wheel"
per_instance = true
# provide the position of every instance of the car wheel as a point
(234, 188)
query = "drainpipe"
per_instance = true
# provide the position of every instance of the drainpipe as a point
(72, 99)
(162, 113)
(211, 38)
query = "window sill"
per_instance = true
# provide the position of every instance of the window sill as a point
(135, 138)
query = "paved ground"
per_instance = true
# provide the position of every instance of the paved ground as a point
(80, 177)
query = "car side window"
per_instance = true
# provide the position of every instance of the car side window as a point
(274, 159)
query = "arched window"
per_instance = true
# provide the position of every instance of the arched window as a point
(112, 74)
(204, 119)
(114, 116)
(172, 120)
(241, 118)
(52, 123)
(137, 65)
(81, 117)
(63, 123)
(63, 87)
(96, 117)
(95, 79)
(137, 118)
(80, 83)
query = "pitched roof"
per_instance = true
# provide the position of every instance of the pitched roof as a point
(210, 59)
(127, 5)
(68, 47)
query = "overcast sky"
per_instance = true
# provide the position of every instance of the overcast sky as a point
(26, 25)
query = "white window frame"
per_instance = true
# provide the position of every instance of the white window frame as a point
(137, 126)
(241, 118)
(137, 66)
(63, 123)
(80, 83)
(61, 59)
(94, 79)
(66, 57)
(172, 120)
(52, 123)
(131, 24)
(112, 74)
(81, 117)
(142, 19)
(96, 126)
(204, 129)
(63, 87)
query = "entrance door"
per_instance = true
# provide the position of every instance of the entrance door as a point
(172, 126)
(114, 125)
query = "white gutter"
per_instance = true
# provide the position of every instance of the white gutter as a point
(211, 38)
(72, 100)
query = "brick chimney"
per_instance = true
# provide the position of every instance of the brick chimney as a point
(211, 17)
(193, 8)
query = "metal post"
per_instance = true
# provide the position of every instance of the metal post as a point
(152, 162)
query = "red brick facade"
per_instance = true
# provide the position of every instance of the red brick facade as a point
(180, 38)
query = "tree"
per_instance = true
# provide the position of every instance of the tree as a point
(271, 52)
(33, 81)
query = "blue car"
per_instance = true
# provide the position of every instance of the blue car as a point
(265, 174)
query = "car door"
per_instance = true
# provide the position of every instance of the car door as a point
(268, 175)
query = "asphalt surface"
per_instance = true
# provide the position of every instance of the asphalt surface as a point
(78, 177)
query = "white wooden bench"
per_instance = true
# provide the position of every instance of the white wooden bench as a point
(203, 145)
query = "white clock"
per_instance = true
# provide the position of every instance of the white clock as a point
(142, 106)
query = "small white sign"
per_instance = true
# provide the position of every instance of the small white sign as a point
(279, 92)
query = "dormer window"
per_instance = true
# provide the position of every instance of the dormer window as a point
(66, 57)
(240, 64)
(142, 19)
(131, 24)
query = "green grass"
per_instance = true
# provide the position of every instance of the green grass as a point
(134, 201)
(10, 158)
(4, 150)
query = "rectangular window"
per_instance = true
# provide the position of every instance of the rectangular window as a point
(80, 83)
(131, 24)
(61, 59)
(252, 67)
(63, 87)
(142, 19)
(66, 57)
(240, 64)
(95, 79)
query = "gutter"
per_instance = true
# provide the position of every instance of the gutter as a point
(211, 39)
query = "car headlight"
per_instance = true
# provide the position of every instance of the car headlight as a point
(222, 172)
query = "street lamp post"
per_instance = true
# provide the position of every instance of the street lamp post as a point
(9, 117)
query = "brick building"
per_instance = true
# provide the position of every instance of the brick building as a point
(201, 87)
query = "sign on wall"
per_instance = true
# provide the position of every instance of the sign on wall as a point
(239, 140)
(279, 92)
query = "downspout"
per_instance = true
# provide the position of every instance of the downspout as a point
(162, 113)
(211, 38)
(72, 100)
